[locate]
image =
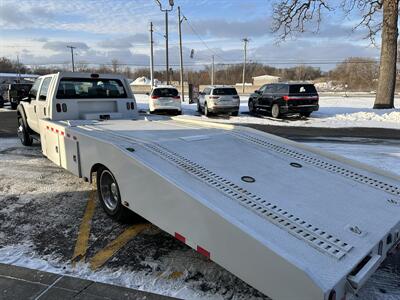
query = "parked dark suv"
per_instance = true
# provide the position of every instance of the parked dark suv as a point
(285, 98)
(14, 92)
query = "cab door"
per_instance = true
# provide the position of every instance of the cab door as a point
(259, 93)
(266, 97)
(31, 107)
(42, 106)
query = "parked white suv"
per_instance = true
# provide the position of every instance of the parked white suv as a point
(165, 99)
(218, 99)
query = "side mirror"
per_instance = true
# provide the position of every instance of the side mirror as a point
(257, 92)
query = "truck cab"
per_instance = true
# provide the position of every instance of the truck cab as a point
(74, 96)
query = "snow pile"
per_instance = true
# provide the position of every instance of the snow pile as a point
(393, 116)
(141, 81)
(144, 81)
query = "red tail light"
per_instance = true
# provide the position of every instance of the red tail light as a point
(155, 97)
(286, 98)
(177, 97)
(214, 97)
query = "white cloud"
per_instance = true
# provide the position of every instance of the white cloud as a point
(59, 46)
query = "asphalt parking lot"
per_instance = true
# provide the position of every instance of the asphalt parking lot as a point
(51, 220)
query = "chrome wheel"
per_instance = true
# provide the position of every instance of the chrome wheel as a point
(109, 190)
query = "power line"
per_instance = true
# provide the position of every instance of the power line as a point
(199, 37)
(227, 63)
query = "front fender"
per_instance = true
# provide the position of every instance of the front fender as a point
(21, 114)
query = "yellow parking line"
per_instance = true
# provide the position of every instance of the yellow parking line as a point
(81, 245)
(101, 257)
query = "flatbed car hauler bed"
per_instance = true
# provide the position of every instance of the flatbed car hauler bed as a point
(304, 225)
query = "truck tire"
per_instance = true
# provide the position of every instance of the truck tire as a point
(23, 131)
(110, 197)
(1, 102)
(235, 113)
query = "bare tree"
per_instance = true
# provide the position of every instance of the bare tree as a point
(359, 73)
(291, 16)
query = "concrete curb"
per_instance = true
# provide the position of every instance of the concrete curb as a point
(23, 283)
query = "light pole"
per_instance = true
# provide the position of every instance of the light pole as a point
(180, 20)
(171, 4)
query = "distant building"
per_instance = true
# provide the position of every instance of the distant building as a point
(264, 79)
(246, 84)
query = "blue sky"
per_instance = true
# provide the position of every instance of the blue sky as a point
(39, 31)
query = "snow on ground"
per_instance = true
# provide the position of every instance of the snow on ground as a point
(168, 282)
(335, 111)
(377, 153)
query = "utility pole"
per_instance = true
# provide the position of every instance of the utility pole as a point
(151, 56)
(180, 20)
(212, 71)
(19, 69)
(245, 40)
(171, 4)
(166, 47)
(72, 57)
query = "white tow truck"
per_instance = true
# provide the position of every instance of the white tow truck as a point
(305, 224)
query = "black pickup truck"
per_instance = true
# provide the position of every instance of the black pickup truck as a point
(285, 98)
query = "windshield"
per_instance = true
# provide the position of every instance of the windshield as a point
(84, 88)
(224, 91)
(165, 92)
(302, 89)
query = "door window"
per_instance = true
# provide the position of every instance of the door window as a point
(282, 89)
(269, 89)
(34, 90)
(262, 89)
(44, 89)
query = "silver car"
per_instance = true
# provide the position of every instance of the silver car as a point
(218, 99)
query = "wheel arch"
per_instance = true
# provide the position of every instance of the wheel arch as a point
(94, 169)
